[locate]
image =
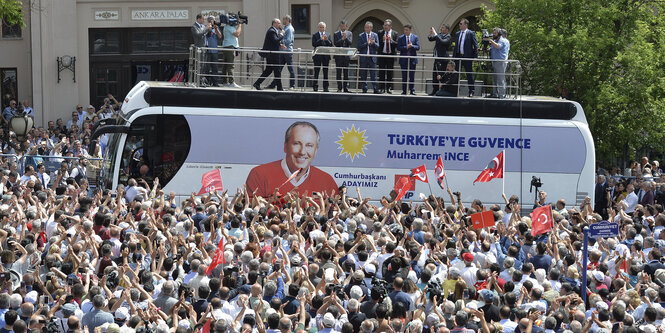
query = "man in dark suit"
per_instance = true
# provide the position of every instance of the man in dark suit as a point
(442, 44)
(600, 196)
(654, 263)
(408, 45)
(387, 46)
(321, 38)
(200, 32)
(343, 38)
(466, 46)
(368, 44)
(272, 42)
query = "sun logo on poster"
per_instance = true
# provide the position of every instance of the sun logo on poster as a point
(352, 143)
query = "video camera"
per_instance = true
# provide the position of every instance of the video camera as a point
(233, 19)
(535, 182)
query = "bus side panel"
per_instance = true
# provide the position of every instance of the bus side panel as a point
(372, 152)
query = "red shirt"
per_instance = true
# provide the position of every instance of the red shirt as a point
(267, 177)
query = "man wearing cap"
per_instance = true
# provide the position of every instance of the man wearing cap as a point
(461, 320)
(121, 316)
(468, 273)
(326, 321)
(357, 279)
(486, 303)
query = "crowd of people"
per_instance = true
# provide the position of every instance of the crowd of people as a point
(376, 50)
(136, 260)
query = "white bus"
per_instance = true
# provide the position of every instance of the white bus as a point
(178, 133)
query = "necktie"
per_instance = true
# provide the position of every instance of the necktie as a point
(367, 43)
(386, 47)
(461, 38)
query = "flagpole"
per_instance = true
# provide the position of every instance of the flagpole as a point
(430, 188)
(503, 183)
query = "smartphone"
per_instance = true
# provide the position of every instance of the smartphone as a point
(43, 299)
(3, 277)
(465, 294)
(82, 270)
(70, 280)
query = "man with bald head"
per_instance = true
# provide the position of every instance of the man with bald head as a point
(397, 295)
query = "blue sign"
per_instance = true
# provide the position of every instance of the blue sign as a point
(604, 229)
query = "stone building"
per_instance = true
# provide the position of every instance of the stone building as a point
(77, 51)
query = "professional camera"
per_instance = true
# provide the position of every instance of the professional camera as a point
(233, 19)
(535, 182)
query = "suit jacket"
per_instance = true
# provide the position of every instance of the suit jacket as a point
(442, 44)
(340, 42)
(404, 51)
(470, 46)
(600, 200)
(271, 43)
(364, 46)
(648, 198)
(393, 42)
(199, 34)
(318, 41)
(652, 266)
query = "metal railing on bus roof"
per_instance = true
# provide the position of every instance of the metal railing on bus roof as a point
(249, 64)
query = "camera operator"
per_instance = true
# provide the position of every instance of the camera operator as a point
(542, 200)
(212, 57)
(231, 34)
(500, 47)
(442, 44)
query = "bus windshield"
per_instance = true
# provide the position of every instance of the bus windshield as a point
(156, 146)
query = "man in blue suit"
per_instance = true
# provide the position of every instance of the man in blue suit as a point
(466, 46)
(368, 45)
(408, 44)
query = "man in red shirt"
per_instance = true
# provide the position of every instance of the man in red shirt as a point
(301, 143)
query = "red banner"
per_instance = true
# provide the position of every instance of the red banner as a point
(541, 220)
(211, 181)
(483, 219)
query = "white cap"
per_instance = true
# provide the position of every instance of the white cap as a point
(328, 320)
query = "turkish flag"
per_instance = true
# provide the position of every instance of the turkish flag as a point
(541, 220)
(493, 170)
(211, 181)
(419, 173)
(218, 258)
(401, 187)
(206, 327)
(483, 219)
(439, 172)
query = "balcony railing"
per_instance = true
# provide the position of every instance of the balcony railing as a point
(248, 65)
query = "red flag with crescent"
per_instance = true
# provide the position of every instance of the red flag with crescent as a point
(493, 170)
(420, 173)
(439, 172)
(541, 220)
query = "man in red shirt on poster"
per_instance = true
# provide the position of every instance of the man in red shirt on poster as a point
(301, 143)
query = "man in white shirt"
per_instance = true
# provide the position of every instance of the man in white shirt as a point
(631, 200)
(468, 273)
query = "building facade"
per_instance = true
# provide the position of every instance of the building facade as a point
(78, 51)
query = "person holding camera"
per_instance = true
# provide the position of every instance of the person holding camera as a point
(212, 56)
(442, 44)
(200, 31)
(230, 43)
(500, 46)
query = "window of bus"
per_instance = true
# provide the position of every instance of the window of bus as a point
(156, 146)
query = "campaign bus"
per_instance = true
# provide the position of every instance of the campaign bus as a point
(178, 133)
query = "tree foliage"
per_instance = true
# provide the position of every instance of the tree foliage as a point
(10, 12)
(607, 55)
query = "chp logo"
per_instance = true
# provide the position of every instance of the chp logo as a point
(409, 186)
